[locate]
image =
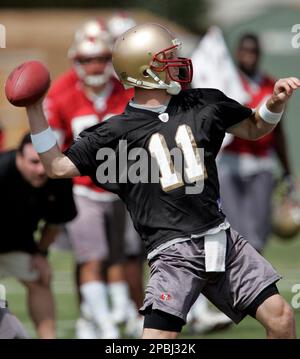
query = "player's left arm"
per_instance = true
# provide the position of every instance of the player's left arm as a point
(256, 126)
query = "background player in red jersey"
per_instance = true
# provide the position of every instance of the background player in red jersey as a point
(85, 95)
(247, 167)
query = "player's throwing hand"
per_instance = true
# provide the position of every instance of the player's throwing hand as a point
(283, 90)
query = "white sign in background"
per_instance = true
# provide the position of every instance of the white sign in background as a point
(2, 37)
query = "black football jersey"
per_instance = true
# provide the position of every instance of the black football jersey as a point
(137, 156)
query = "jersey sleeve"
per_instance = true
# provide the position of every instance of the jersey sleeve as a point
(61, 207)
(84, 150)
(230, 112)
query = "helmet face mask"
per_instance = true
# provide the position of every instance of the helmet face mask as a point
(146, 57)
(161, 63)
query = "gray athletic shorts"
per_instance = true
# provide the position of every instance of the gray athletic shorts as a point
(10, 326)
(19, 265)
(178, 276)
(97, 233)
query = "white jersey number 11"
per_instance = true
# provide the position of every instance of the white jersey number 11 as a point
(194, 167)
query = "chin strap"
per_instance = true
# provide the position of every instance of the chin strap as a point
(173, 88)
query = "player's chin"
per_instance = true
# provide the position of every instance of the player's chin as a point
(38, 181)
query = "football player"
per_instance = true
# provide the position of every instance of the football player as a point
(190, 246)
(84, 96)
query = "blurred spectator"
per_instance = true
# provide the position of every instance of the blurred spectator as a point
(84, 96)
(27, 198)
(246, 167)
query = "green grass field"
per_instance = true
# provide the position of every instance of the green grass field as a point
(285, 257)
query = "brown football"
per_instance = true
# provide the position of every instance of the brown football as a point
(27, 83)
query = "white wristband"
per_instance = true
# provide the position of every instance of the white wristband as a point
(270, 117)
(43, 141)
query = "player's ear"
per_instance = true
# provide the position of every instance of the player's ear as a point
(19, 159)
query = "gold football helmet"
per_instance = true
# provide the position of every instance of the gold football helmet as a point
(146, 56)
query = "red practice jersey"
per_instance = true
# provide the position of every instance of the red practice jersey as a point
(69, 111)
(262, 146)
